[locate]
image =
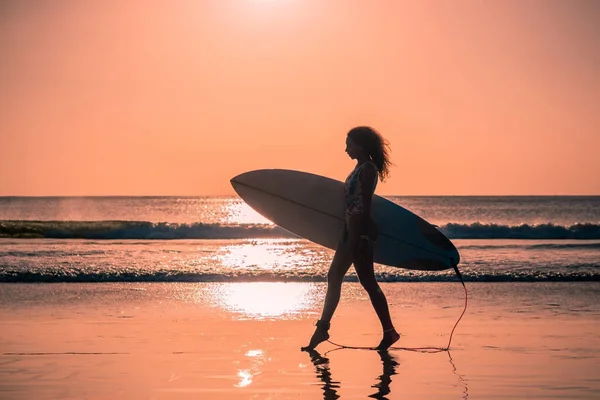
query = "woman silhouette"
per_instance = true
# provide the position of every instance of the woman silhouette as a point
(371, 152)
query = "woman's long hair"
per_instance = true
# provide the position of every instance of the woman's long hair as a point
(375, 146)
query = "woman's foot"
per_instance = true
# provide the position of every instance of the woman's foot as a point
(390, 337)
(319, 336)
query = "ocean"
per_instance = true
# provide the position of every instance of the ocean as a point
(221, 239)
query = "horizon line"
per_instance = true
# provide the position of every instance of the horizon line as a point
(235, 195)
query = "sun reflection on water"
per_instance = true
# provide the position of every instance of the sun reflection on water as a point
(260, 300)
(257, 360)
(245, 378)
(266, 254)
(238, 212)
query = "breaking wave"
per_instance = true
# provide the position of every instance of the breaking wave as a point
(525, 231)
(165, 230)
(135, 230)
(174, 276)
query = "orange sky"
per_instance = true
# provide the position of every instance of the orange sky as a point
(176, 97)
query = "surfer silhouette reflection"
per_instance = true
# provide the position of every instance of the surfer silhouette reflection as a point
(324, 374)
(329, 387)
(371, 152)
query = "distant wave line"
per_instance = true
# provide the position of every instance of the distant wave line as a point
(173, 276)
(145, 230)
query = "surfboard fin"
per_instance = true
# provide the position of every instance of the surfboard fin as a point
(455, 266)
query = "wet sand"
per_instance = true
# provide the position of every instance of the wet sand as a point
(242, 340)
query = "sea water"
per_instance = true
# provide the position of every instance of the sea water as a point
(198, 239)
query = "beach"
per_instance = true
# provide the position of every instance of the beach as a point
(201, 298)
(242, 340)
(176, 178)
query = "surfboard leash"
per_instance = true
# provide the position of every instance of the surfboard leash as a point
(419, 349)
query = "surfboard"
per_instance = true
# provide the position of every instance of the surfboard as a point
(312, 206)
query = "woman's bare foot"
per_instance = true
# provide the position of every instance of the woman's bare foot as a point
(389, 338)
(319, 336)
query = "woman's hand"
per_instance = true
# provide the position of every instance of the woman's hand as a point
(361, 225)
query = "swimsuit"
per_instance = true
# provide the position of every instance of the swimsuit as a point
(354, 199)
(354, 191)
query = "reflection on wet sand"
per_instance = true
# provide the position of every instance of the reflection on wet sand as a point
(324, 374)
(329, 387)
(462, 380)
(254, 300)
(389, 365)
(389, 369)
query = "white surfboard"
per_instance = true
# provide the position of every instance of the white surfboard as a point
(312, 206)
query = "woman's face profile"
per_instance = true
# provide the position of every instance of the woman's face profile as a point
(352, 149)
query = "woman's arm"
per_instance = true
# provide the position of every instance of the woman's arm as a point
(368, 177)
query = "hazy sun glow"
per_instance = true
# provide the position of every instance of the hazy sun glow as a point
(176, 98)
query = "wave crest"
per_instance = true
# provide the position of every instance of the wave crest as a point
(133, 230)
(524, 231)
(174, 276)
(165, 230)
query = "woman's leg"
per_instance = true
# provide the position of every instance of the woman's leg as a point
(342, 260)
(363, 263)
(339, 266)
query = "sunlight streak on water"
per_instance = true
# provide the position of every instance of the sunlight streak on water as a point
(238, 212)
(265, 254)
(245, 378)
(257, 359)
(259, 300)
